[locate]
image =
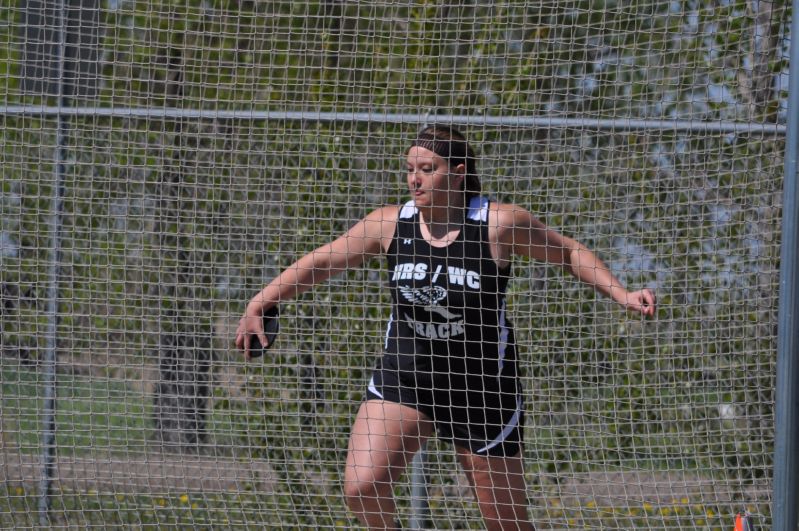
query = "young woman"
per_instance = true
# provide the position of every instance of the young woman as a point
(449, 362)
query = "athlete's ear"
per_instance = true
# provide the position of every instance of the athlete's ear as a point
(460, 172)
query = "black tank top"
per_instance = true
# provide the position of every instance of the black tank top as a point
(448, 317)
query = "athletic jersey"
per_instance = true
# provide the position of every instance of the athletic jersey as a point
(448, 327)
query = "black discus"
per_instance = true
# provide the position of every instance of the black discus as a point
(271, 327)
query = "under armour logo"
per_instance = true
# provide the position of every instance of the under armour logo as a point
(406, 241)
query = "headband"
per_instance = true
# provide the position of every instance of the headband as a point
(446, 149)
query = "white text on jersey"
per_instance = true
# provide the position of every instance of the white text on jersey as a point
(456, 275)
(437, 330)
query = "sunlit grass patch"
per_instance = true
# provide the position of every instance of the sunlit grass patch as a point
(678, 514)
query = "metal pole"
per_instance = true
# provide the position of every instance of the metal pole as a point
(420, 506)
(786, 419)
(49, 362)
(521, 122)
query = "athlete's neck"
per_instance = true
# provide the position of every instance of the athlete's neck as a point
(441, 225)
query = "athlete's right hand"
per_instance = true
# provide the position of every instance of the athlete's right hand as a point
(250, 326)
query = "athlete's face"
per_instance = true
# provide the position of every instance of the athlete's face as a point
(431, 180)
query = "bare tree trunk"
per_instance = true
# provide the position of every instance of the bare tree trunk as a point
(757, 82)
(182, 392)
(184, 351)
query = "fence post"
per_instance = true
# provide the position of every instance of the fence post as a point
(48, 436)
(786, 417)
(420, 506)
(51, 353)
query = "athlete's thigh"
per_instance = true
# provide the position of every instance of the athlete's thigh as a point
(384, 437)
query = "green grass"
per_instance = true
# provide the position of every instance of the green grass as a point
(19, 509)
(92, 412)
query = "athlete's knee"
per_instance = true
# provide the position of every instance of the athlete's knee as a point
(371, 502)
(355, 492)
(364, 492)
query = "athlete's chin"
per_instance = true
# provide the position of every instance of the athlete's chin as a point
(420, 200)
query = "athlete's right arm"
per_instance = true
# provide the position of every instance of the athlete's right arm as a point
(369, 237)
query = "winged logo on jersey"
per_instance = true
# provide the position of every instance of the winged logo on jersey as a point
(430, 297)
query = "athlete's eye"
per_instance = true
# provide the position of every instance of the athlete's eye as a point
(422, 169)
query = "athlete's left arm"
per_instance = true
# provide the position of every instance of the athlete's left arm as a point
(521, 233)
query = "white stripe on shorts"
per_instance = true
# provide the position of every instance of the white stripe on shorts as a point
(373, 389)
(514, 421)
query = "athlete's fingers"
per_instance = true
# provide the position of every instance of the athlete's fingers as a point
(641, 301)
(249, 328)
(260, 346)
(263, 339)
(651, 301)
(246, 342)
(240, 336)
(647, 302)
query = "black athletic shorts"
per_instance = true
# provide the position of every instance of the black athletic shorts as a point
(484, 415)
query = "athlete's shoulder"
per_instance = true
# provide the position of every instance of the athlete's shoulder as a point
(488, 210)
(506, 219)
(387, 213)
(508, 214)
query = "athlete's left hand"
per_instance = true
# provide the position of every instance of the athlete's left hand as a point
(641, 301)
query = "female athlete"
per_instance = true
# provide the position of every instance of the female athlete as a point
(449, 363)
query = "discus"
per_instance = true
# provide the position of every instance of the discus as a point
(271, 327)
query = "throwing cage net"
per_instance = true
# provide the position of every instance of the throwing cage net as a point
(162, 161)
